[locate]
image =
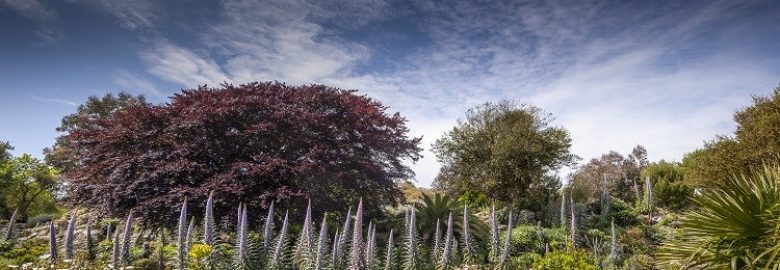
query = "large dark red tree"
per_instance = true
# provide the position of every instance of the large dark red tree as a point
(251, 143)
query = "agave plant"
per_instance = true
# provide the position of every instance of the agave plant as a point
(736, 225)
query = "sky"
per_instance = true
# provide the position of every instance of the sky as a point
(664, 74)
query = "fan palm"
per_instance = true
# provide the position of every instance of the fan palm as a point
(735, 226)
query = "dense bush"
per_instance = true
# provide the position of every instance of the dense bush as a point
(573, 260)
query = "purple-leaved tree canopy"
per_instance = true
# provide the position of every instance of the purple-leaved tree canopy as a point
(251, 143)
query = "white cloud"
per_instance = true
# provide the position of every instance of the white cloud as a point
(131, 14)
(59, 101)
(46, 18)
(133, 82)
(613, 80)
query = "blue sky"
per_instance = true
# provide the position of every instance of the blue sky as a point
(664, 74)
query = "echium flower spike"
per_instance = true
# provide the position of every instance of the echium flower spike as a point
(563, 210)
(303, 249)
(243, 245)
(52, 242)
(507, 241)
(613, 251)
(356, 254)
(69, 236)
(334, 251)
(370, 247)
(190, 234)
(9, 232)
(90, 244)
(344, 237)
(494, 251)
(181, 236)
(469, 254)
(268, 229)
(238, 217)
(127, 234)
(648, 192)
(390, 253)
(116, 252)
(436, 241)
(445, 262)
(573, 224)
(322, 243)
(277, 259)
(411, 261)
(208, 221)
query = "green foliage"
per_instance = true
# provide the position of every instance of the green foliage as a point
(755, 142)
(735, 226)
(669, 189)
(559, 260)
(27, 184)
(501, 149)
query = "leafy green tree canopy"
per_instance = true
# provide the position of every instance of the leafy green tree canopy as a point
(27, 184)
(755, 142)
(501, 149)
(669, 189)
(612, 174)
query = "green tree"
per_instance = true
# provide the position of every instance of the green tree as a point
(755, 142)
(669, 189)
(28, 185)
(87, 117)
(501, 149)
(611, 175)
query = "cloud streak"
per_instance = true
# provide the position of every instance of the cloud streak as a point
(46, 18)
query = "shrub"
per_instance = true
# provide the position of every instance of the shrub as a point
(559, 260)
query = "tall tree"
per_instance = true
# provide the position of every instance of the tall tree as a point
(251, 143)
(755, 142)
(86, 117)
(501, 149)
(28, 185)
(612, 174)
(668, 187)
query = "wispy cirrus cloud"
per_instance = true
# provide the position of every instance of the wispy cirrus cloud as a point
(59, 101)
(133, 81)
(48, 30)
